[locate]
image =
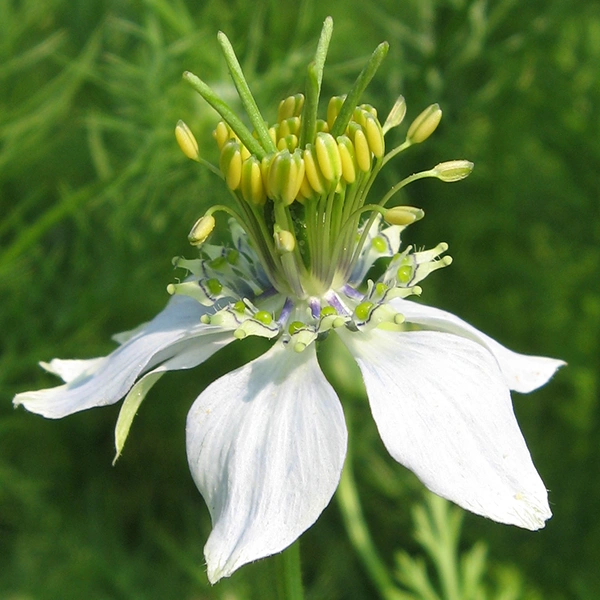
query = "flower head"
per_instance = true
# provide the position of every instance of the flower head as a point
(266, 443)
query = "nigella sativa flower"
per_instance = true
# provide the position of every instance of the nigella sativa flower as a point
(266, 443)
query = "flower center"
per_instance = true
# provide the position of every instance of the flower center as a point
(302, 203)
(304, 236)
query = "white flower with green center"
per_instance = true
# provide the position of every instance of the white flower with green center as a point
(266, 443)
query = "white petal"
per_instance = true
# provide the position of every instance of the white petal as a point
(125, 336)
(175, 335)
(523, 373)
(266, 444)
(69, 370)
(444, 411)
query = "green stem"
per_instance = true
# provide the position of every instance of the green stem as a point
(401, 148)
(289, 573)
(358, 532)
(405, 182)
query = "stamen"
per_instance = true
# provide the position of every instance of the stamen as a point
(347, 158)
(231, 163)
(201, 230)
(403, 215)
(302, 245)
(374, 135)
(396, 115)
(453, 170)
(329, 158)
(186, 140)
(424, 125)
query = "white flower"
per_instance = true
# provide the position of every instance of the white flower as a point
(266, 443)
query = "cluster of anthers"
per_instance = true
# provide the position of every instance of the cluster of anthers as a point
(304, 237)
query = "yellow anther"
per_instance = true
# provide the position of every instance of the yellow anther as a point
(290, 107)
(453, 170)
(273, 133)
(322, 126)
(284, 129)
(368, 108)
(306, 190)
(289, 142)
(284, 241)
(374, 135)
(265, 165)
(328, 156)
(294, 124)
(186, 140)
(333, 109)
(299, 174)
(425, 124)
(313, 173)
(299, 104)
(253, 189)
(289, 127)
(285, 176)
(396, 115)
(244, 152)
(358, 116)
(231, 164)
(201, 230)
(279, 174)
(221, 134)
(403, 215)
(286, 108)
(362, 151)
(346, 150)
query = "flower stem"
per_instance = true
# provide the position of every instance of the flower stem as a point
(396, 188)
(289, 574)
(358, 532)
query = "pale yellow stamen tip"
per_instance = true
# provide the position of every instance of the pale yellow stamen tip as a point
(396, 115)
(186, 140)
(284, 241)
(424, 125)
(403, 215)
(453, 170)
(201, 230)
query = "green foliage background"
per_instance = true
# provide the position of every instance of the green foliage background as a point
(95, 199)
